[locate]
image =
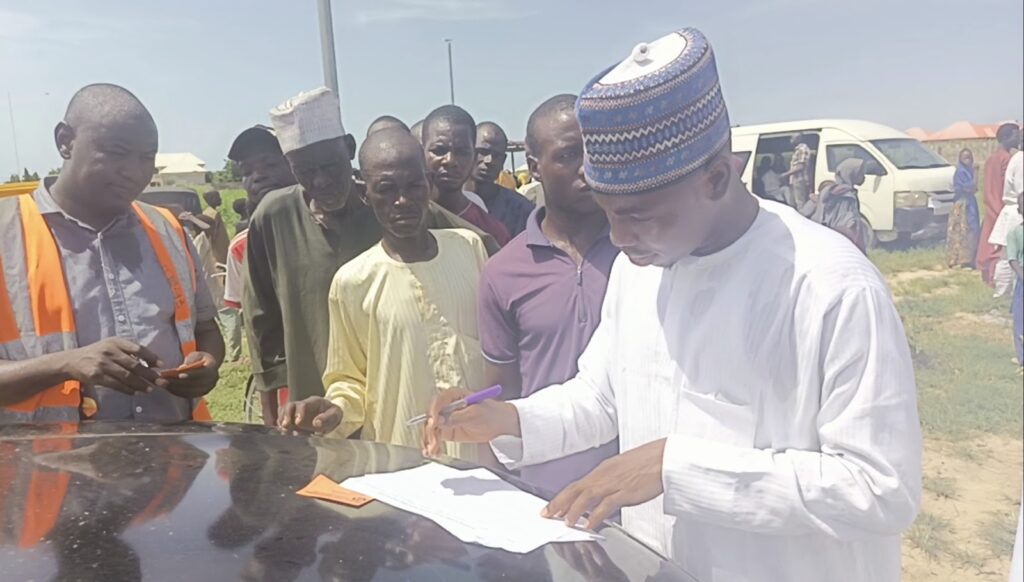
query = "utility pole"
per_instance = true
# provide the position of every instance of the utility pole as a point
(451, 70)
(14, 134)
(327, 46)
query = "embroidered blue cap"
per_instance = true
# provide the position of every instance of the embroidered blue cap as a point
(653, 118)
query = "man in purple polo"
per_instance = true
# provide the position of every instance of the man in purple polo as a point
(540, 297)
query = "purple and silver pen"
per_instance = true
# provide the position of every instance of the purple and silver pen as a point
(489, 393)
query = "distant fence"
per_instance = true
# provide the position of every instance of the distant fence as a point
(949, 149)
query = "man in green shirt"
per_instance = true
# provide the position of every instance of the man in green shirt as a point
(299, 237)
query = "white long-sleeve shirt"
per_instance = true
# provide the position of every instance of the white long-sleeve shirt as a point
(779, 372)
(1014, 184)
(1009, 216)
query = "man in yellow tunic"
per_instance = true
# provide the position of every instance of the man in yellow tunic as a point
(402, 315)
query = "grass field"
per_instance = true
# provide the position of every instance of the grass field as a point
(970, 399)
(225, 401)
(228, 196)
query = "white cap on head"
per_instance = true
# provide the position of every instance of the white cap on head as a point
(646, 58)
(307, 118)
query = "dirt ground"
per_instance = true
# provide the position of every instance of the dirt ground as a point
(901, 277)
(972, 482)
(986, 495)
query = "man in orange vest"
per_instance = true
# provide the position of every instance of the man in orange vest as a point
(102, 292)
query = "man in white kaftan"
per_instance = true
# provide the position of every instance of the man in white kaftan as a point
(777, 372)
(751, 363)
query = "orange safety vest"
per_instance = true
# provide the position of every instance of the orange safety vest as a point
(30, 504)
(33, 495)
(36, 314)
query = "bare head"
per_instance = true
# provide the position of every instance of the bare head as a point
(397, 189)
(212, 198)
(384, 122)
(241, 207)
(554, 154)
(417, 131)
(449, 140)
(108, 141)
(491, 145)
(1008, 136)
(767, 163)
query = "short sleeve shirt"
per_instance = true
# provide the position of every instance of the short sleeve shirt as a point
(479, 218)
(118, 289)
(801, 155)
(538, 311)
(538, 308)
(511, 209)
(1015, 245)
(235, 275)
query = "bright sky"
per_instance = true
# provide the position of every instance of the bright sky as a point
(209, 69)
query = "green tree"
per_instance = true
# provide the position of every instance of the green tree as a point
(230, 173)
(13, 178)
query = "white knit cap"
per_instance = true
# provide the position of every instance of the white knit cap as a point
(307, 118)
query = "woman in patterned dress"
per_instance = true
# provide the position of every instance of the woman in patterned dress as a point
(963, 228)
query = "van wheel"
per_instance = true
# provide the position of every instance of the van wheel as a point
(870, 240)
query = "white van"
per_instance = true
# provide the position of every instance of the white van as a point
(909, 192)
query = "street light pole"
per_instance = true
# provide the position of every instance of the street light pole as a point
(327, 46)
(14, 134)
(451, 70)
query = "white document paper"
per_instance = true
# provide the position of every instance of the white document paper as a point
(475, 505)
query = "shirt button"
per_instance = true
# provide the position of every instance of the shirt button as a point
(138, 409)
(120, 318)
(110, 276)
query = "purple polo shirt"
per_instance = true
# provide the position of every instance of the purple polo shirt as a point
(538, 310)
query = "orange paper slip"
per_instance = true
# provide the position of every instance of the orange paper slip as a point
(173, 373)
(323, 488)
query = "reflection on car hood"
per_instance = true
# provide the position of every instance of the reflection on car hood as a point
(116, 501)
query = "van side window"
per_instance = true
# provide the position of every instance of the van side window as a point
(780, 145)
(837, 154)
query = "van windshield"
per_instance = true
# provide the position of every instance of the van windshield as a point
(909, 154)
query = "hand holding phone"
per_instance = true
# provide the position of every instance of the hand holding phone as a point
(173, 373)
(196, 376)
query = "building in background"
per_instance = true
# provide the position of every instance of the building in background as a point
(179, 170)
(979, 138)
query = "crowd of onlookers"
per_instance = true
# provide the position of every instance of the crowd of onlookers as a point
(706, 386)
(833, 203)
(992, 242)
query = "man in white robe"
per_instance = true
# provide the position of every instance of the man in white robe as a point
(751, 363)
